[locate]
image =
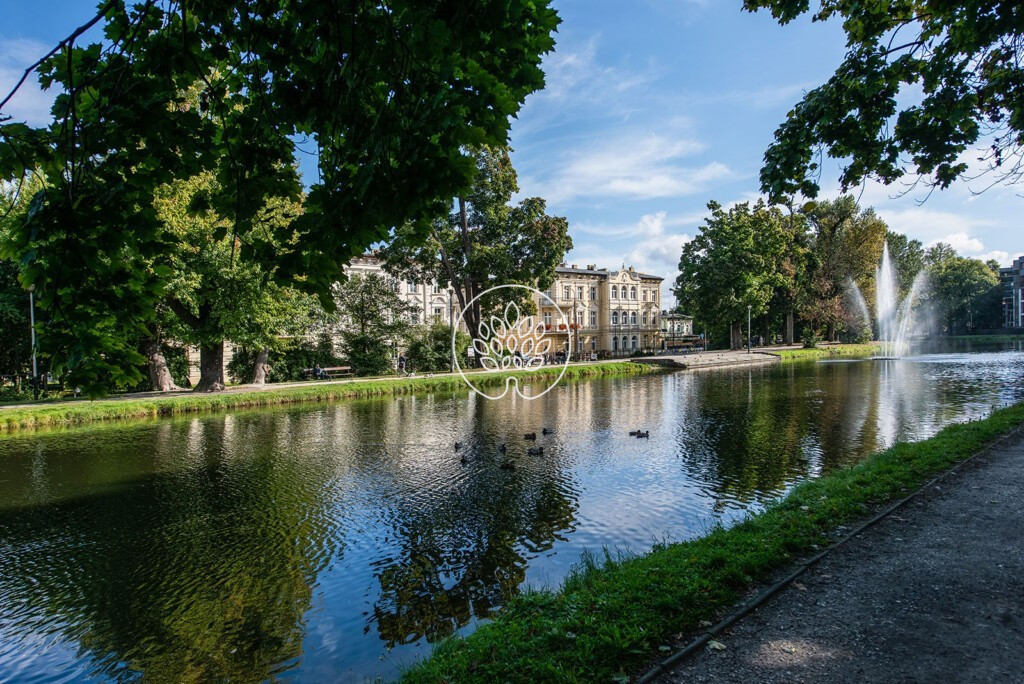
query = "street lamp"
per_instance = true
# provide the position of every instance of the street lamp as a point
(451, 327)
(32, 327)
(748, 328)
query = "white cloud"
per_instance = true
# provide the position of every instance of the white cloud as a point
(1003, 258)
(634, 166)
(30, 104)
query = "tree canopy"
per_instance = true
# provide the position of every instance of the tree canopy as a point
(964, 58)
(388, 96)
(483, 240)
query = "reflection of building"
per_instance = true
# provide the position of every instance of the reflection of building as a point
(1012, 279)
(609, 312)
(677, 331)
(433, 302)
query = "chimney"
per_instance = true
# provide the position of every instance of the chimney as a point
(575, 266)
(591, 267)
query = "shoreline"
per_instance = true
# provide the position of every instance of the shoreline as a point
(611, 618)
(27, 417)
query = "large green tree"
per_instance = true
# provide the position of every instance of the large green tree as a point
(923, 81)
(961, 288)
(484, 240)
(374, 320)
(733, 264)
(846, 244)
(388, 96)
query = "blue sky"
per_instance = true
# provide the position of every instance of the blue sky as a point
(652, 108)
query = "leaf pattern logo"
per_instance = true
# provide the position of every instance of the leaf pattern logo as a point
(513, 342)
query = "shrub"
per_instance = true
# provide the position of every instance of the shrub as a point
(430, 348)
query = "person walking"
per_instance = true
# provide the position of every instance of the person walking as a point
(401, 364)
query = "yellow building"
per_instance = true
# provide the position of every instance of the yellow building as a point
(607, 313)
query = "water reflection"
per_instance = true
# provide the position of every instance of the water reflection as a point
(339, 542)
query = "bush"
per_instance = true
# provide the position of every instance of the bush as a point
(367, 354)
(430, 348)
(810, 338)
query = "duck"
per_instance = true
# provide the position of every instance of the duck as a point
(634, 433)
(547, 431)
(535, 451)
(645, 434)
(458, 445)
(530, 435)
(508, 465)
(503, 449)
(464, 461)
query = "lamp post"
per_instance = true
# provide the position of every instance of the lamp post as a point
(451, 328)
(32, 327)
(748, 329)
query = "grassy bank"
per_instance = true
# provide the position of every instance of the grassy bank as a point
(80, 412)
(828, 352)
(611, 618)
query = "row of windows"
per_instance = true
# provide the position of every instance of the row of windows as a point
(630, 318)
(626, 293)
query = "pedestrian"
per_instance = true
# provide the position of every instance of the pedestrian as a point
(401, 363)
(317, 371)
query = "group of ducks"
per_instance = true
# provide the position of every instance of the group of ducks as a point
(508, 464)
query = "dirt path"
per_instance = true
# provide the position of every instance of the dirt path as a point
(934, 593)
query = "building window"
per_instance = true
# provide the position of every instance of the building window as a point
(654, 319)
(593, 293)
(615, 344)
(435, 288)
(579, 292)
(645, 341)
(438, 313)
(645, 318)
(547, 319)
(632, 343)
(593, 345)
(615, 317)
(413, 288)
(625, 343)
(593, 319)
(654, 295)
(615, 291)
(632, 292)
(632, 317)
(645, 295)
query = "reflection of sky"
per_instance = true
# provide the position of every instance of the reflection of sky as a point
(405, 539)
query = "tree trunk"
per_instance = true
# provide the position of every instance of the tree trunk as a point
(789, 327)
(830, 333)
(159, 373)
(765, 331)
(736, 330)
(261, 367)
(211, 368)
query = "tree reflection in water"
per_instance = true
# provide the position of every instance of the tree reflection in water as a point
(333, 542)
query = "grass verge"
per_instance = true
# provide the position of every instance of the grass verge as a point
(828, 352)
(80, 412)
(613, 617)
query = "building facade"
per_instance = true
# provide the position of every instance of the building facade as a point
(1012, 279)
(433, 303)
(677, 332)
(608, 313)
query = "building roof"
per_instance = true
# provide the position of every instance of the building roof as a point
(594, 271)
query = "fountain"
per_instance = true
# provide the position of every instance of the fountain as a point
(894, 317)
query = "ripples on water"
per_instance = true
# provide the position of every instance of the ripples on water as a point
(335, 542)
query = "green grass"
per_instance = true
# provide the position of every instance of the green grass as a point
(612, 618)
(83, 411)
(828, 352)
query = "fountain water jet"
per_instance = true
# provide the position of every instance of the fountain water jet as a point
(894, 318)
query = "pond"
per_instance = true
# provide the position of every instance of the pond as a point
(339, 542)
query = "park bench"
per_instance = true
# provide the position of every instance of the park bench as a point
(330, 372)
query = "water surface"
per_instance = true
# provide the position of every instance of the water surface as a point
(337, 543)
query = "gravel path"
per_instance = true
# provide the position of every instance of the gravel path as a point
(934, 593)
